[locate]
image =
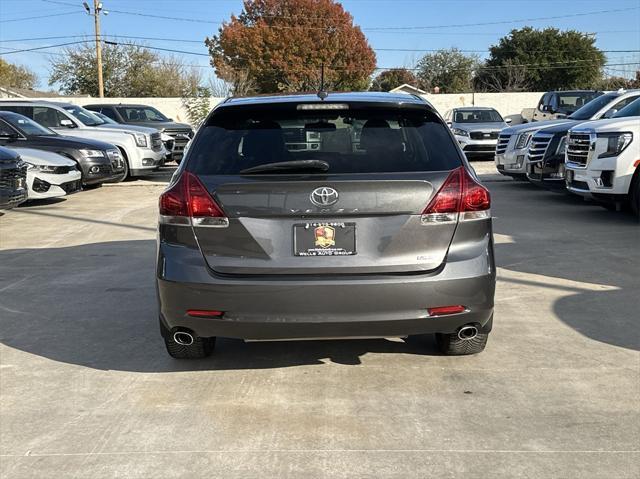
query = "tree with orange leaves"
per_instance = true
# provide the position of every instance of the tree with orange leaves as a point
(281, 45)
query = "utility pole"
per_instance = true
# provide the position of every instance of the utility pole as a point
(97, 10)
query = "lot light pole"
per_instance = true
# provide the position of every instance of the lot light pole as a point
(97, 10)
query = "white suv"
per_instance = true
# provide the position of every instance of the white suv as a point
(513, 142)
(143, 151)
(603, 159)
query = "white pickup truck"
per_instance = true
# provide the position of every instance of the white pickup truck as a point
(603, 159)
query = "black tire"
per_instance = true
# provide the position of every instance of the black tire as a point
(451, 345)
(125, 174)
(201, 348)
(634, 194)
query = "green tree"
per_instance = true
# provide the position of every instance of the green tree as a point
(16, 76)
(450, 70)
(281, 46)
(552, 59)
(128, 71)
(390, 79)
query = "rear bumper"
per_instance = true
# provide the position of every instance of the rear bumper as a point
(358, 306)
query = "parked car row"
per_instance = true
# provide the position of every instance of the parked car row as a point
(594, 152)
(65, 147)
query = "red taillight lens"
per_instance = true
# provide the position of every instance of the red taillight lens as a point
(173, 202)
(200, 202)
(460, 193)
(444, 310)
(475, 197)
(447, 200)
(189, 198)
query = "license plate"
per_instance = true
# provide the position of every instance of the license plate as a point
(324, 239)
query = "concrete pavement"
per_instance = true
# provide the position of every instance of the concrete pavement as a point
(87, 389)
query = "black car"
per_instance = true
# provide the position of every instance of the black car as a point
(13, 179)
(98, 161)
(144, 115)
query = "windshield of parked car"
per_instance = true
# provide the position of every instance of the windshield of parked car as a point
(85, 116)
(632, 109)
(571, 101)
(476, 116)
(362, 141)
(26, 126)
(591, 108)
(141, 113)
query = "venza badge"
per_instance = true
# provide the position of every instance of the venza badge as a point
(324, 196)
(325, 236)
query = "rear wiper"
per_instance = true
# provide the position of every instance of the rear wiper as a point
(288, 165)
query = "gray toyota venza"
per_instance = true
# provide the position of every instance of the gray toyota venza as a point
(352, 215)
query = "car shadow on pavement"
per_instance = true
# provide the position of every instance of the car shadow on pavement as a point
(95, 305)
(562, 244)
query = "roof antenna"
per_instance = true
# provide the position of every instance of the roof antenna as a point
(322, 94)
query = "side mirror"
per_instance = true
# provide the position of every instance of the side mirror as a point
(508, 120)
(610, 113)
(67, 123)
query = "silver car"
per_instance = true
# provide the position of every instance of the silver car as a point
(476, 129)
(378, 227)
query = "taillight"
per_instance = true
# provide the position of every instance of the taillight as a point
(188, 202)
(460, 197)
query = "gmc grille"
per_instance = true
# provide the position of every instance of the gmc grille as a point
(578, 149)
(503, 142)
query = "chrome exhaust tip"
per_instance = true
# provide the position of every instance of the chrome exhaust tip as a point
(468, 332)
(183, 338)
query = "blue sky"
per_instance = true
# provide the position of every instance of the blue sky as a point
(614, 31)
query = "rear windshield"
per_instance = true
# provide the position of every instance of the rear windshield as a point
(359, 141)
(477, 116)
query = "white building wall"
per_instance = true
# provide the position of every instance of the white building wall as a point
(506, 103)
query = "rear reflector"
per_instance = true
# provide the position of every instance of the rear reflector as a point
(460, 197)
(205, 313)
(188, 202)
(444, 310)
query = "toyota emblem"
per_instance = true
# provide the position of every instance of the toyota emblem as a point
(324, 196)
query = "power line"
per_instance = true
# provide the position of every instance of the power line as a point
(403, 28)
(39, 16)
(201, 42)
